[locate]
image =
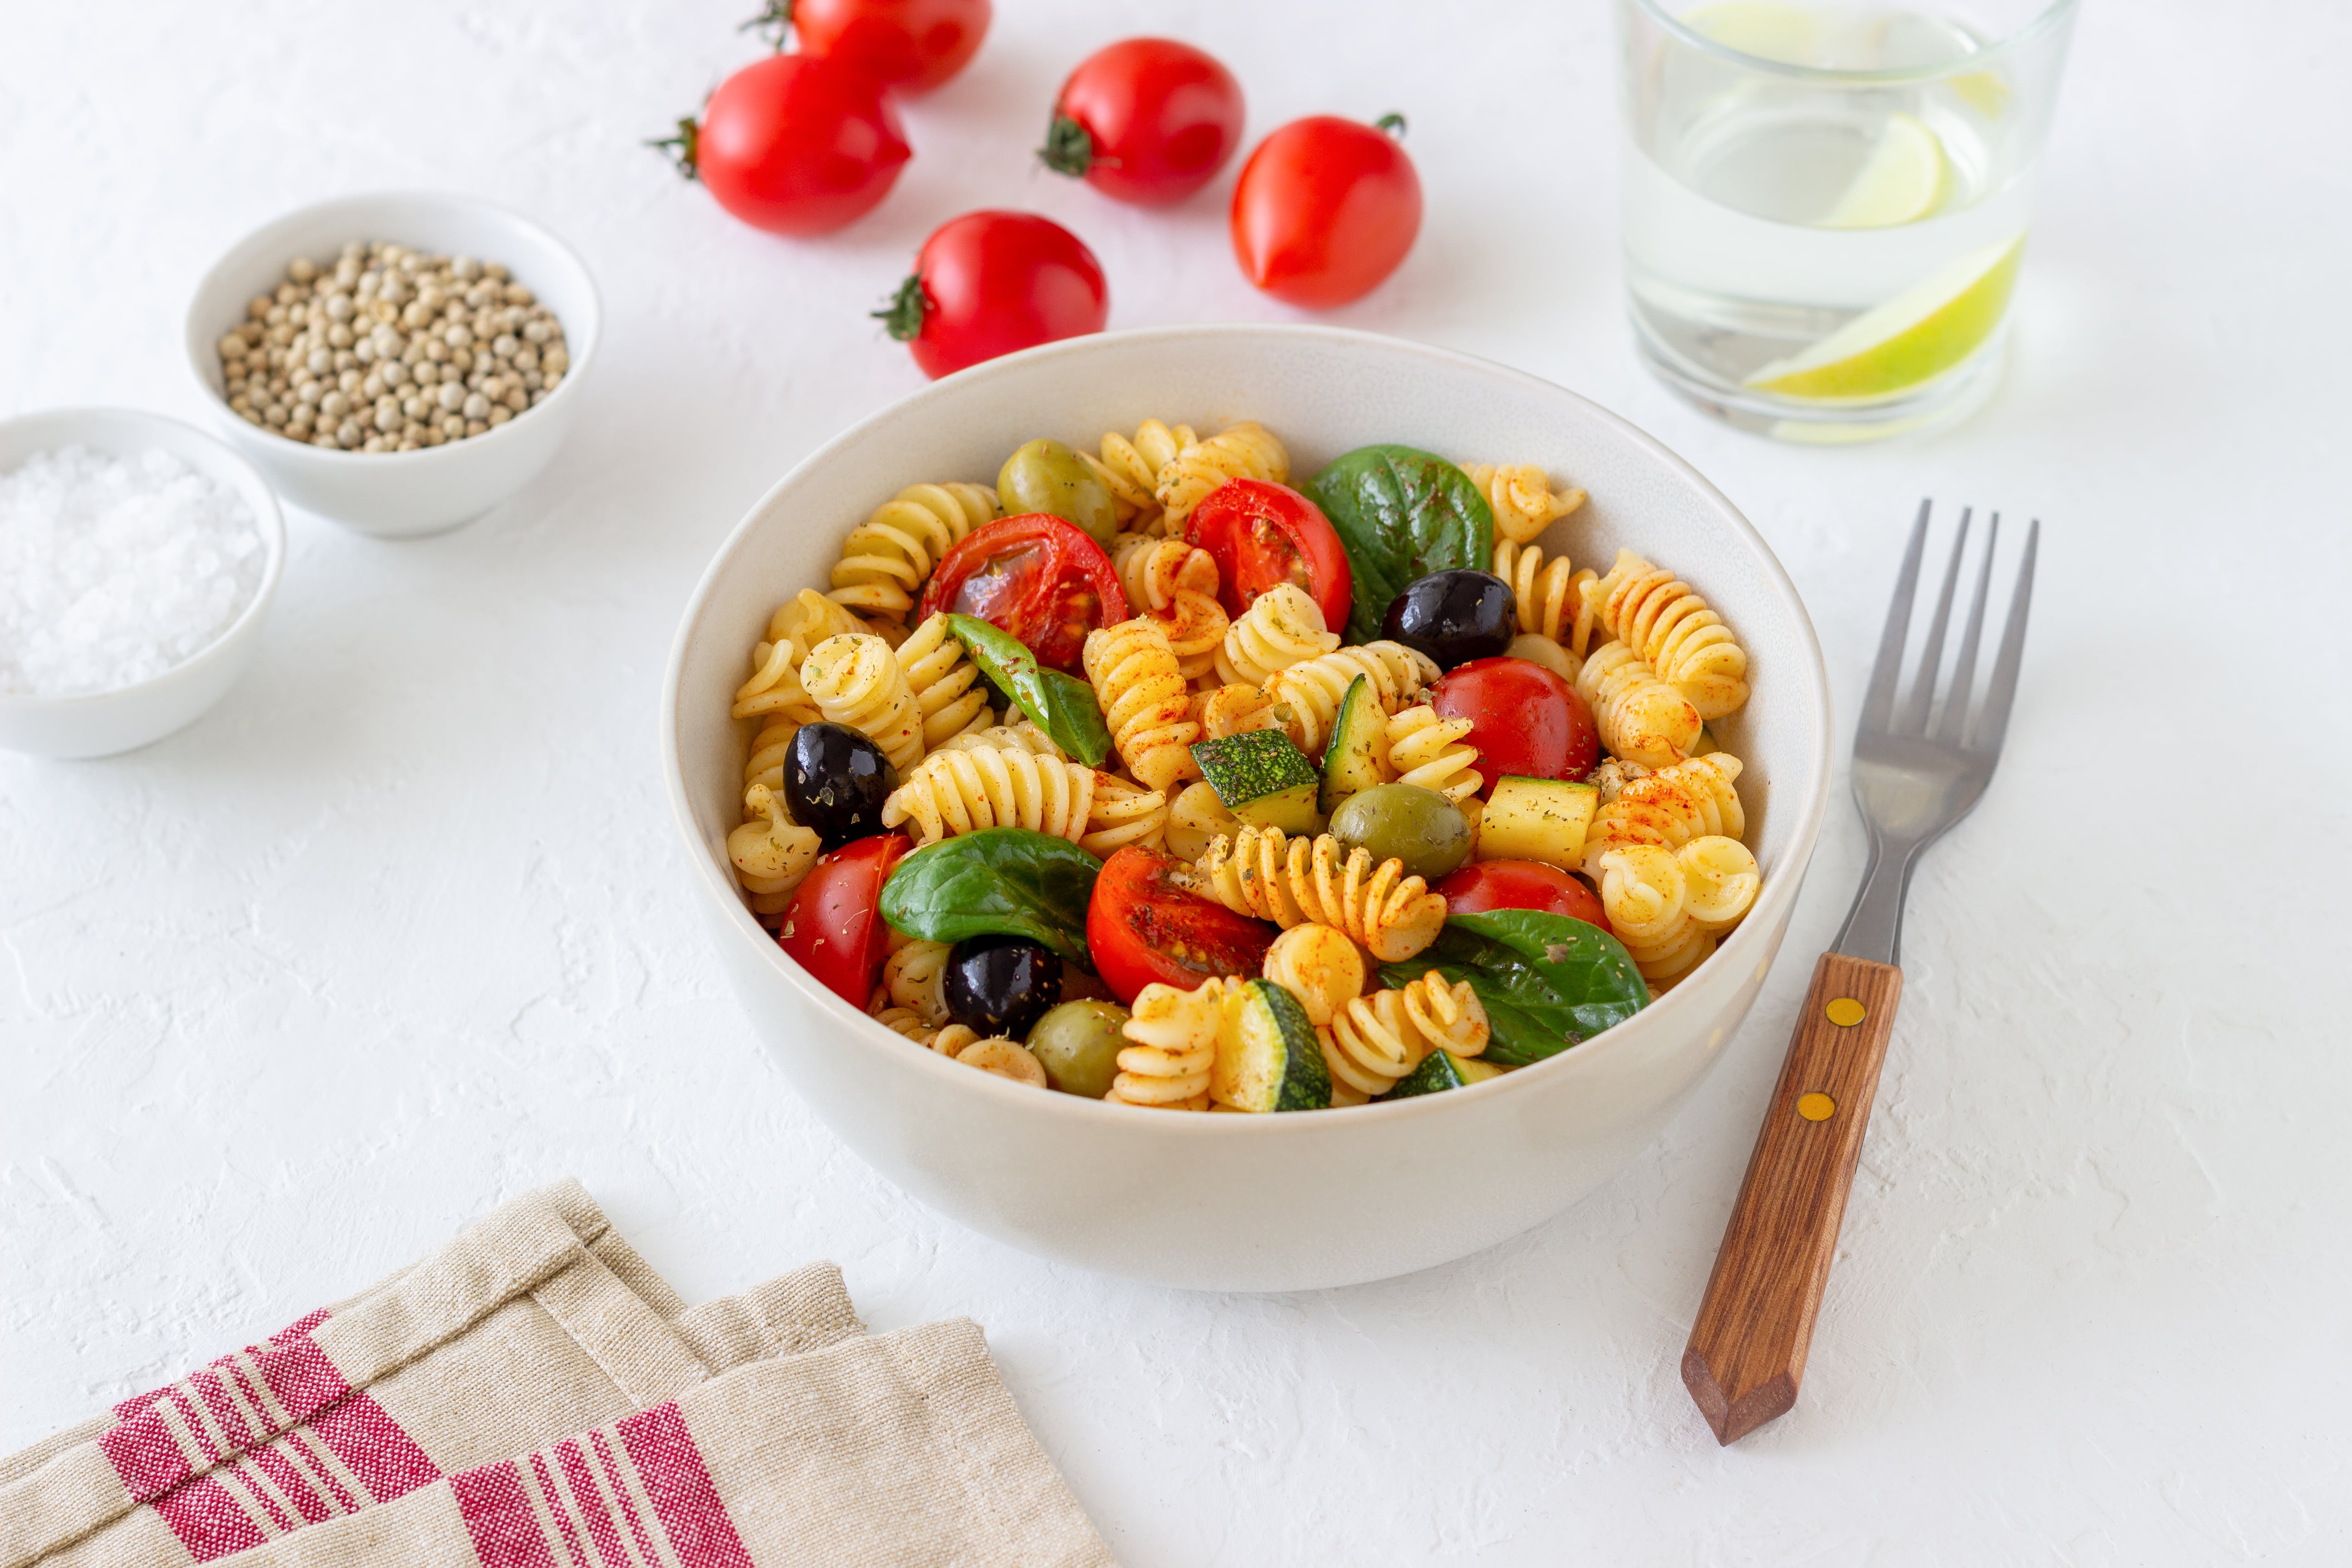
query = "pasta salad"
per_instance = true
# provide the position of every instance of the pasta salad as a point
(1144, 776)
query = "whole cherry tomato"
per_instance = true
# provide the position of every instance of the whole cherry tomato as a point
(1524, 720)
(834, 926)
(1260, 534)
(910, 45)
(1142, 926)
(988, 283)
(1521, 885)
(794, 145)
(1147, 121)
(1036, 577)
(1325, 209)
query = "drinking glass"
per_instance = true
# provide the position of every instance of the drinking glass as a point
(1825, 206)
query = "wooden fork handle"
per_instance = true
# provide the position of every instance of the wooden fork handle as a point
(1746, 1353)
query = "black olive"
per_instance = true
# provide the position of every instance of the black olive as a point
(1454, 617)
(1001, 984)
(835, 780)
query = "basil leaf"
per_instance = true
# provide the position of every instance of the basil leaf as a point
(1548, 982)
(1000, 881)
(1061, 705)
(1400, 514)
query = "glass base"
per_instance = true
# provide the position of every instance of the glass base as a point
(1933, 405)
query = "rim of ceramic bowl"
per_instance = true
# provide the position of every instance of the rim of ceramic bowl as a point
(198, 341)
(1780, 890)
(270, 518)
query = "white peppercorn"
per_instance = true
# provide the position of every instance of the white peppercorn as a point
(386, 348)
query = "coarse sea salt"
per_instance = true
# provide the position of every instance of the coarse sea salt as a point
(113, 570)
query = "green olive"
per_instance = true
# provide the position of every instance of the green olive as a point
(1078, 1044)
(1046, 476)
(1416, 825)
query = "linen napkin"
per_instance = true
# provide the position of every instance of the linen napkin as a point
(900, 1450)
(535, 1322)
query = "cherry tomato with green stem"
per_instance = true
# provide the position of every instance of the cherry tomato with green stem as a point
(795, 144)
(1326, 209)
(1146, 121)
(990, 283)
(909, 45)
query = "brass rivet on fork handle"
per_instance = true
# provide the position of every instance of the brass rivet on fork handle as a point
(1918, 767)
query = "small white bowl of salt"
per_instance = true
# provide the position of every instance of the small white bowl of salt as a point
(138, 557)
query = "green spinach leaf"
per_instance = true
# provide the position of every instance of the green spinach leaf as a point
(1401, 513)
(1061, 705)
(1548, 982)
(1000, 881)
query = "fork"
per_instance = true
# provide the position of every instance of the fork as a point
(1918, 765)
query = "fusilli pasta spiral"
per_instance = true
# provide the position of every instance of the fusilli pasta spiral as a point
(1006, 1058)
(855, 681)
(1374, 1040)
(1521, 498)
(1223, 710)
(962, 791)
(1130, 470)
(1255, 873)
(1641, 718)
(1176, 584)
(904, 1021)
(771, 855)
(1667, 624)
(1195, 820)
(1671, 806)
(885, 558)
(1172, 1044)
(1282, 626)
(1246, 450)
(1312, 687)
(1645, 890)
(1124, 814)
(1538, 649)
(945, 682)
(1550, 594)
(1143, 701)
(911, 977)
(1425, 750)
(1720, 882)
(1023, 736)
(1320, 966)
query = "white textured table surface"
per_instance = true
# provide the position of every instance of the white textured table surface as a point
(402, 926)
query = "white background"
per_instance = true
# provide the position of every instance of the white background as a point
(403, 927)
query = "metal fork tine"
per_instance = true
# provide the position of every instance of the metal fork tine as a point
(1914, 720)
(1954, 722)
(1992, 724)
(1878, 702)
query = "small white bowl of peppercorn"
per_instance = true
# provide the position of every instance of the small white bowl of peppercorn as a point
(398, 364)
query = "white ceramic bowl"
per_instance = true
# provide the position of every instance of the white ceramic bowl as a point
(1248, 1203)
(402, 494)
(105, 722)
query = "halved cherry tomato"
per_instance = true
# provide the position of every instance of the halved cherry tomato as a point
(1524, 720)
(795, 144)
(1142, 927)
(833, 928)
(1521, 885)
(989, 283)
(1034, 576)
(1260, 534)
(1147, 121)
(1325, 209)
(910, 45)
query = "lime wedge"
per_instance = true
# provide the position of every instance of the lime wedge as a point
(1905, 178)
(1767, 29)
(1919, 333)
